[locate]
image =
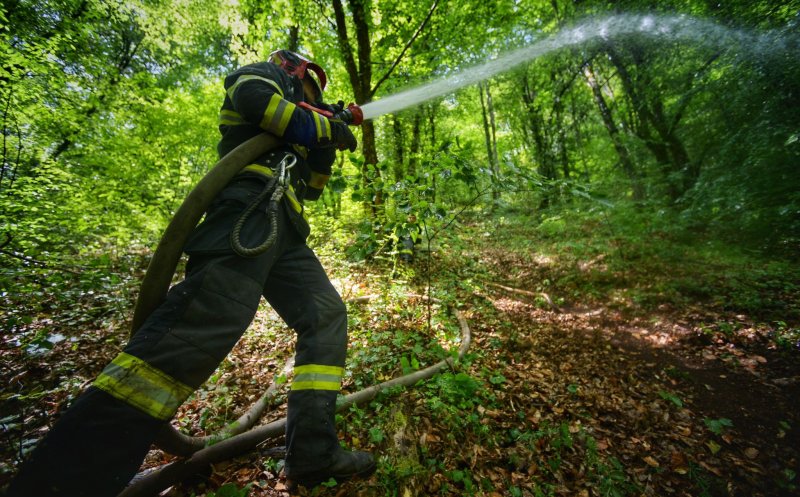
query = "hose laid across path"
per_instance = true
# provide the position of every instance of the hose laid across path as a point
(170, 474)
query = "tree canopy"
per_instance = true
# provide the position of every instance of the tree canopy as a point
(675, 125)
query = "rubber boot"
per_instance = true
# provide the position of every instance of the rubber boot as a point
(313, 453)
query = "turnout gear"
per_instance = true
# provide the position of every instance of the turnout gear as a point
(342, 137)
(262, 97)
(98, 444)
(313, 453)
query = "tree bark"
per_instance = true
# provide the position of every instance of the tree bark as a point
(490, 135)
(613, 132)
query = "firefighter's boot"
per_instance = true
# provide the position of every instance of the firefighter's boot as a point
(313, 453)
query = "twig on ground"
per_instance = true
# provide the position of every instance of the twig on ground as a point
(520, 291)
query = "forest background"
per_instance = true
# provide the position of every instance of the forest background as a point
(653, 177)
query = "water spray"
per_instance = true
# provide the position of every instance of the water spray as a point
(671, 27)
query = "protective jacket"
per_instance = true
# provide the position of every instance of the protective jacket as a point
(262, 97)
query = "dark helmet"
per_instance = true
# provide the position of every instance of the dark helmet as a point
(297, 65)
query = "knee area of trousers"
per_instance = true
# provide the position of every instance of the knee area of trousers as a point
(331, 311)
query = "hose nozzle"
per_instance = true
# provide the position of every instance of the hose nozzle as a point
(352, 115)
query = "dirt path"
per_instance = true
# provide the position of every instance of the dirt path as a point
(685, 412)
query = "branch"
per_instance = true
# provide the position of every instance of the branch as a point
(543, 295)
(173, 441)
(154, 482)
(689, 92)
(30, 260)
(405, 49)
(322, 7)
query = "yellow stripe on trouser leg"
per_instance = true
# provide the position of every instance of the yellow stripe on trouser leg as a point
(317, 377)
(144, 387)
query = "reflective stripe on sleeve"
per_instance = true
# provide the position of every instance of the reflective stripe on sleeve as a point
(230, 118)
(317, 377)
(277, 115)
(323, 126)
(244, 78)
(143, 386)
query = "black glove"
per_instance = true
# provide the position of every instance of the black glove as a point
(341, 136)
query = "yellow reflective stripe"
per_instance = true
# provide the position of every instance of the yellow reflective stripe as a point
(315, 385)
(289, 194)
(296, 205)
(230, 118)
(143, 386)
(277, 115)
(257, 168)
(323, 126)
(319, 368)
(317, 377)
(244, 78)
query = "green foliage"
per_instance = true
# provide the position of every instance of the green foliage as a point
(231, 490)
(672, 398)
(717, 426)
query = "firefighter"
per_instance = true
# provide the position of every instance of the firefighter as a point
(99, 443)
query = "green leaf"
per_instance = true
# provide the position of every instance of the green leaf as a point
(671, 397)
(717, 426)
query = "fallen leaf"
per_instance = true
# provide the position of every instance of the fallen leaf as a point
(713, 446)
(677, 461)
(650, 461)
(751, 452)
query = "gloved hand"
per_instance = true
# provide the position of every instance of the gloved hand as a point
(341, 136)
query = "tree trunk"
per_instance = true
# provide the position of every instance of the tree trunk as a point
(534, 125)
(360, 79)
(666, 147)
(399, 145)
(613, 132)
(416, 131)
(490, 130)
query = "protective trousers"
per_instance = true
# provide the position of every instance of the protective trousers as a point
(99, 443)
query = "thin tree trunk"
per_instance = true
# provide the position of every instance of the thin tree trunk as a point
(416, 131)
(399, 145)
(613, 132)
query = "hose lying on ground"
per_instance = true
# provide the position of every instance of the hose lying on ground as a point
(156, 481)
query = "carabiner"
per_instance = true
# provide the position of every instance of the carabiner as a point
(282, 176)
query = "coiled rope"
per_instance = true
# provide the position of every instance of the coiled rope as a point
(276, 187)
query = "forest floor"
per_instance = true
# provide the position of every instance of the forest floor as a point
(592, 372)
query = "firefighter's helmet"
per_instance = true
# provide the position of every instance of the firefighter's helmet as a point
(297, 65)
